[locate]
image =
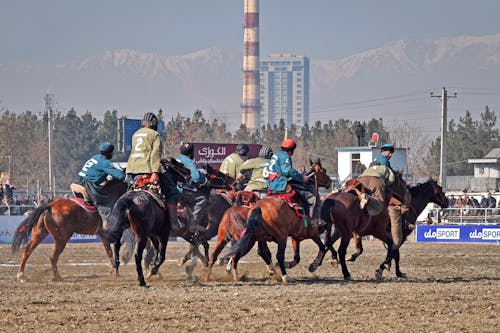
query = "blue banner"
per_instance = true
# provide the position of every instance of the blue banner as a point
(458, 233)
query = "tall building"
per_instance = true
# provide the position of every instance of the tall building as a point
(284, 89)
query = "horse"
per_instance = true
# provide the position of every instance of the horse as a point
(421, 195)
(273, 219)
(146, 215)
(219, 201)
(61, 218)
(343, 210)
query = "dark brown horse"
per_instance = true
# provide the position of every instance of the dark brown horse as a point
(61, 219)
(343, 210)
(421, 195)
(146, 215)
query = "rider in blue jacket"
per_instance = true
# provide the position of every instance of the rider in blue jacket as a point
(94, 172)
(281, 172)
(190, 195)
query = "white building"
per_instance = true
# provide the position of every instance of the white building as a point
(352, 161)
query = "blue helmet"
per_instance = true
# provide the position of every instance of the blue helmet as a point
(106, 148)
(387, 147)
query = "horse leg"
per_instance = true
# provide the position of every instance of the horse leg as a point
(234, 261)
(195, 256)
(116, 263)
(296, 254)
(359, 246)
(59, 245)
(387, 262)
(213, 257)
(329, 240)
(188, 255)
(265, 254)
(141, 244)
(344, 243)
(37, 236)
(107, 248)
(399, 274)
(280, 256)
(150, 261)
(204, 258)
(321, 254)
(160, 258)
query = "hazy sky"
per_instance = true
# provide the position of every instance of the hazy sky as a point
(54, 31)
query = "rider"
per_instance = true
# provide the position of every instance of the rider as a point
(376, 178)
(94, 172)
(281, 173)
(145, 160)
(231, 164)
(258, 168)
(379, 175)
(189, 193)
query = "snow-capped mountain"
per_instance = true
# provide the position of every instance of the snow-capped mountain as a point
(133, 81)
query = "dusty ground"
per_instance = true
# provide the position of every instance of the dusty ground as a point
(450, 288)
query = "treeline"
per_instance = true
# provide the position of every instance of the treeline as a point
(24, 137)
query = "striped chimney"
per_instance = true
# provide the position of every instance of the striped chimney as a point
(250, 104)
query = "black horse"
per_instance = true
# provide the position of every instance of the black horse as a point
(146, 215)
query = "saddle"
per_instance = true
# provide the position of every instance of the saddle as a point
(81, 202)
(82, 198)
(367, 202)
(144, 183)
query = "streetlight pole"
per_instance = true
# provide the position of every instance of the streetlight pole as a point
(9, 157)
(49, 101)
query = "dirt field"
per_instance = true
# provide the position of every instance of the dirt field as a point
(450, 288)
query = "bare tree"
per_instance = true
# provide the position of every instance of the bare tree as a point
(404, 134)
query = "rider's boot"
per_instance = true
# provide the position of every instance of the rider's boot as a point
(316, 216)
(172, 216)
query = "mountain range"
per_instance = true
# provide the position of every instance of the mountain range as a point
(133, 81)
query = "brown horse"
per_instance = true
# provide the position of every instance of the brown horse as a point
(233, 223)
(61, 219)
(343, 210)
(421, 195)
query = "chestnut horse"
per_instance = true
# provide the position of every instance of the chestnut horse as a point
(272, 219)
(61, 219)
(421, 195)
(342, 209)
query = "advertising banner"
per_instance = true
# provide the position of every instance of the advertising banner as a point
(214, 153)
(458, 233)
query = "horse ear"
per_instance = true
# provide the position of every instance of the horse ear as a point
(310, 162)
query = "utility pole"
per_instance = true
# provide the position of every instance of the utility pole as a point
(49, 103)
(444, 134)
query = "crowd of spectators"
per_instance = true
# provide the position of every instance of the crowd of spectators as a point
(470, 205)
(22, 204)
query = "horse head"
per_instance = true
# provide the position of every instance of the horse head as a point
(217, 179)
(321, 177)
(438, 196)
(176, 168)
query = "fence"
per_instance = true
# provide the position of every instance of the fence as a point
(466, 215)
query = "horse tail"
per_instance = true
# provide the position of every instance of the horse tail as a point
(24, 229)
(118, 220)
(128, 245)
(326, 208)
(243, 246)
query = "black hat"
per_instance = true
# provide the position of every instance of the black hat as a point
(187, 148)
(242, 149)
(106, 148)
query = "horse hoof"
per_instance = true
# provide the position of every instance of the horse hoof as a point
(347, 278)
(335, 263)
(387, 266)
(286, 279)
(401, 275)
(287, 265)
(351, 258)
(378, 274)
(313, 267)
